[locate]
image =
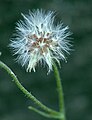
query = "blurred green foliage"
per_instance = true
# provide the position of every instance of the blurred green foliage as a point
(76, 74)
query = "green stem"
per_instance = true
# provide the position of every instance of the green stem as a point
(28, 94)
(60, 90)
(46, 114)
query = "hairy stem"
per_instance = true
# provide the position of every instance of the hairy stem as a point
(28, 94)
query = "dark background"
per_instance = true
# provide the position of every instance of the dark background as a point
(76, 74)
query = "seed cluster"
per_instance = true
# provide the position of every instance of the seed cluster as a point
(41, 44)
(38, 40)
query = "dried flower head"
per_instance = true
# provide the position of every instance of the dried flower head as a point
(38, 40)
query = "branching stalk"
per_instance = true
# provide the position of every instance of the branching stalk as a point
(28, 94)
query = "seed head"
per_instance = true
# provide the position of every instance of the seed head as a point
(38, 40)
